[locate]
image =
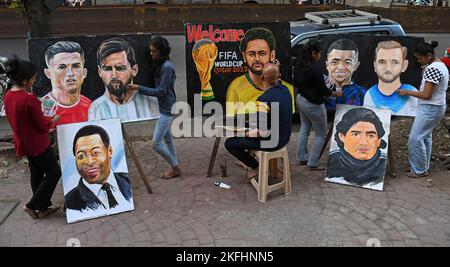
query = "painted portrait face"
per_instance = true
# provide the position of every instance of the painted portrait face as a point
(66, 72)
(361, 140)
(341, 64)
(116, 73)
(389, 64)
(93, 159)
(257, 54)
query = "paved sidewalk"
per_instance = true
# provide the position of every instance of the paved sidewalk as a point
(192, 211)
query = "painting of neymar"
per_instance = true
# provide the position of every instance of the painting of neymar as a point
(224, 62)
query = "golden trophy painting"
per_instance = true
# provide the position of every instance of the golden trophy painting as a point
(204, 53)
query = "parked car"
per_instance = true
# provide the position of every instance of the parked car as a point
(340, 22)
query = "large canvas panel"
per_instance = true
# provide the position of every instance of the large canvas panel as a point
(79, 87)
(360, 81)
(216, 68)
(87, 163)
(359, 145)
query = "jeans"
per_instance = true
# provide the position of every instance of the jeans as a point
(163, 131)
(315, 116)
(45, 174)
(420, 137)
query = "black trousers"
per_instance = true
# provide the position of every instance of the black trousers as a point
(239, 147)
(45, 174)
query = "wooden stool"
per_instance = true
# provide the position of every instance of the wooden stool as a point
(262, 185)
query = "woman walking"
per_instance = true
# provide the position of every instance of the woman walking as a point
(165, 80)
(30, 134)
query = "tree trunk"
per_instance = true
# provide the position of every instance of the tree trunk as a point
(38, 18)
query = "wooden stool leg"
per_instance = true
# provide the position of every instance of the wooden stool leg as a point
(391, 164)
(273, 168)
(212, 160)
(136, 160)
(327, 139)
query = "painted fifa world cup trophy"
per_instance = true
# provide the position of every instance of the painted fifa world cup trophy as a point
(204, 53)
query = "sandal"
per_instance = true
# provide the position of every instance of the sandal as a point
(31, 212)
(412, 174)
(316, 168)
(48, 211)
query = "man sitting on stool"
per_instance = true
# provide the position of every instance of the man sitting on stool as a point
(276, 96)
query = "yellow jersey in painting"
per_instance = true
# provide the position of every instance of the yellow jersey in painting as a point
(242, 94)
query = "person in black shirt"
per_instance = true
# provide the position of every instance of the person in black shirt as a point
(275, 98)
(308, 78)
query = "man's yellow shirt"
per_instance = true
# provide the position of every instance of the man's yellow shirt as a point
(241, 90)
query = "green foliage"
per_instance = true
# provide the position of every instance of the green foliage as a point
(16, 4)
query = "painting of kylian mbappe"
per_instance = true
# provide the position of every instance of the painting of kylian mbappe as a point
(358, 150)
(94, 169)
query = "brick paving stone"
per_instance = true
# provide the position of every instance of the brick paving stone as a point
(369, 224)
(139, 227)
(381, 235)
(356, 229)
(141, 244)
(398, 244)
(362, 240)
(205, 239)
(142, 236)
(112, 236)
(394, 235)
(187, 234)
(424, 212)
(157, 238)
(171, 236)
(408, 234)
(126, 242)
(191, 243)
(357, 216)
(412, 243)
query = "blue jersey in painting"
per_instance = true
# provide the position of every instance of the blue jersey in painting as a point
(394, 102)
(352, 94)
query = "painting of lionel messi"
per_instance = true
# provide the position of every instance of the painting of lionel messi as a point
(94, 170)
(348, 64)
(87, 76)
(224, 61)
(358, 151)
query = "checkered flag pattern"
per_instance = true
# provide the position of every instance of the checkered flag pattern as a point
(433, 75)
